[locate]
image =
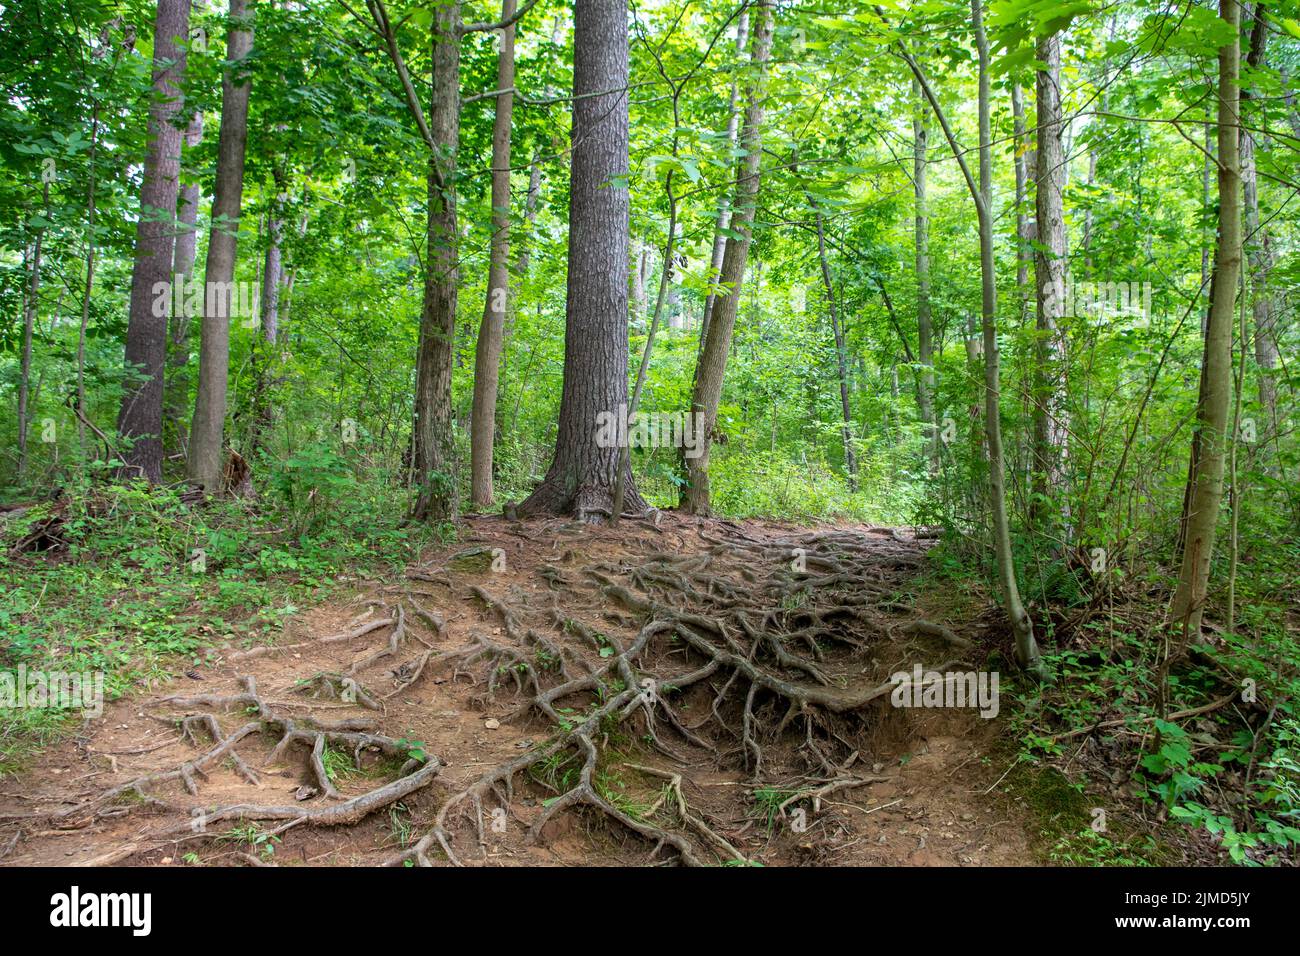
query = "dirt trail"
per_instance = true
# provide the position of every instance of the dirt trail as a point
(554, 693)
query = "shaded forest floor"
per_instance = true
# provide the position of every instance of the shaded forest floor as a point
(547, 692)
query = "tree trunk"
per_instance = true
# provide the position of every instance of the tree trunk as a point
(582, 475)
(1022, 625)
(207, 444)
(90, 281)
(273, 273)
(1259, 243)
(139, 420)
(434, 442)
(177, 386)
(530, 216)
(487, 357)
(841, 358)
(924, 320)
(724, 208)
(640, 271)
(1019, 146)
(31, 308)
(264, 350)
(1049, 413)
(1206, 485)
(717, 342)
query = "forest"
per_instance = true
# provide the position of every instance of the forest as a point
(640, 433)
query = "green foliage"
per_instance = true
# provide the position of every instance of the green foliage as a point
(149, 584)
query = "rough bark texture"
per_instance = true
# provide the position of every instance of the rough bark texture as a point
(487, 357)
(140, 419)
(1206, 485)
(207, 441)
(582, 475)
(1049, 413)
(712, 365)
(434, 442)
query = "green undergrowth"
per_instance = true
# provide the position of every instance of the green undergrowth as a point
(144, 584)
(1220, 756)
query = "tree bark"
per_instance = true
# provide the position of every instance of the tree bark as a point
(435, 451)
(487, 357)
(207, 443)
(1050, 260)
(724, 207)
(1259, 243)
(31, 308)
(139, 420)
(712, 365)
(1019, 146)
(177, 386)
(530, 216)
(841, 358)
(1206, 484)
(91, 248)
(264, 350)
(1021, 623)
(924, 319)
(582, 475)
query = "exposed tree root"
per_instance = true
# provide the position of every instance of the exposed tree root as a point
(773, 636)
(353, 734)
(812, 595)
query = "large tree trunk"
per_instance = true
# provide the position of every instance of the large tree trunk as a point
(924, 320)
(177, 386)
(487, 356)
(1049, 413)
(140, 419)
(582, 475)
(435, 451)
(207, 444)
(712, 364)
(1206, 484)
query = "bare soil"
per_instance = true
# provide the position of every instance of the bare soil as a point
(548, 692)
